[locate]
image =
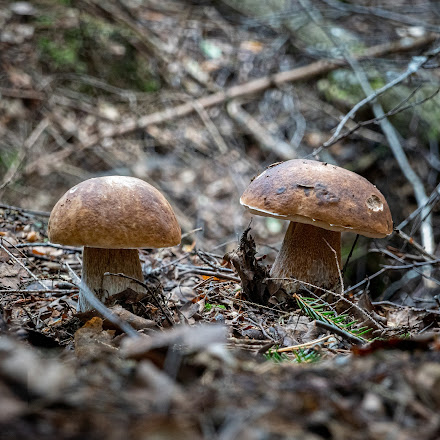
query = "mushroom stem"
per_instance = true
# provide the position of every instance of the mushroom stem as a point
(97, 261)
(309, 254)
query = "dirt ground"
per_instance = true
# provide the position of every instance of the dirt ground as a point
(197, 98)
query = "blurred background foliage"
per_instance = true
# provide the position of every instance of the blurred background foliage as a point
(75, 70)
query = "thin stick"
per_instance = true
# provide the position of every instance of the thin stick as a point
(419, 271)
(414, 244)
(26, 146)
(53, 245)
(431, 200)
(191, 232)
(412, 265)
(357, 126)
(101, 308)
(24, 210)
(305, 345)
(350, 254)
(211, 127)
(416, 64)
(157, 270)
(341, 278)
(268, 142)
(340, 332)
(36, 292)
(366, 280)
(22, 94)
(23, 266)
(210, 273)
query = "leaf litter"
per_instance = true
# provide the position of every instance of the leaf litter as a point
(205, 363)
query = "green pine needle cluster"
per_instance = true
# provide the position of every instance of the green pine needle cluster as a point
(301, 356)
(318, 309)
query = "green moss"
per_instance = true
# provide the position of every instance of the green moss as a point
(44, 20)
(62, 55)
(90, 49)
(342, 88)
(8, 158)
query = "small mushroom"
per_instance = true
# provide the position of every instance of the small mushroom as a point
(112, 217)
(320, 201)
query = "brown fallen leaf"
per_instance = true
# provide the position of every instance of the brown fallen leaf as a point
(91, 340)
(11, 275)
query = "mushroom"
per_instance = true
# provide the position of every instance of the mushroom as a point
(320, 201)
(111, 217)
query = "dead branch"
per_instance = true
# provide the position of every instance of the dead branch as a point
(25, 148)
(267, 141)
(301, 73)
(416, 64)
(22, 94)
(24, 210)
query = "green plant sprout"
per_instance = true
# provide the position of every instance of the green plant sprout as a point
(209, 306)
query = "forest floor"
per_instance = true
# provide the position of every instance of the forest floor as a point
(193, 97)
(207, 362)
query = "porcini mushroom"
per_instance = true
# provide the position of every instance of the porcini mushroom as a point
(320, 201)
(112, 217)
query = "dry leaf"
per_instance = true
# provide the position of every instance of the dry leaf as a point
(91, 340)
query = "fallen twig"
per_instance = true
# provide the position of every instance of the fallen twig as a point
(47, 244)
(346, 335)
(257, 85)
(305, 345)
(267, 141)
(24, 210)
(37, 292)
(100, 307)
(414, 244)
(22, 265)
(21, 155)
(211, 273)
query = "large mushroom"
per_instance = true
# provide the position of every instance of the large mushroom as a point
(112, 217)
(320, 201)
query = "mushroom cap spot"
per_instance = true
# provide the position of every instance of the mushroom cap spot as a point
(322, 195)
(114, 212)
(374, 203)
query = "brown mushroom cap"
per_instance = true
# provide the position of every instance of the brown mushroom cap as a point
(319, 194)
(114, 212)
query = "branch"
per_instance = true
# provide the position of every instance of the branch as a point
(25, 148)
(301, 73)
(416, 64)
(398, 109)
(267, 141)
